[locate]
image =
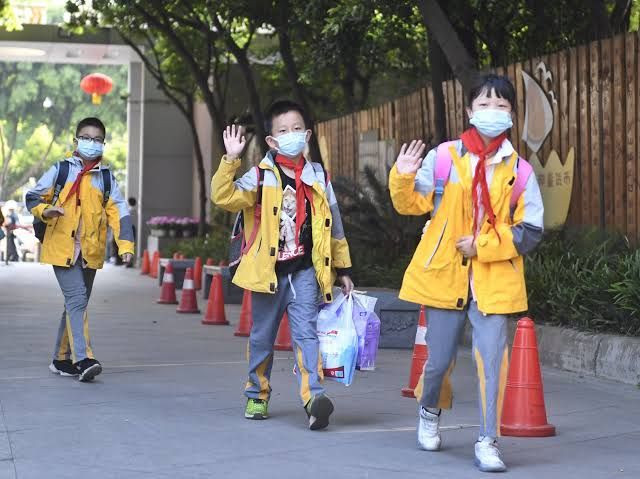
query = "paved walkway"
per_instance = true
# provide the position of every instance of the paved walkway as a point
(169, 404)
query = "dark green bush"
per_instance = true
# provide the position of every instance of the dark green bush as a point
(215, 245)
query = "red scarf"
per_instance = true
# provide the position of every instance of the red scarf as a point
(302, 190)
(75, 188)
(475, 144)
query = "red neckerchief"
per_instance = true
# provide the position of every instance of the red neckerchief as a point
(302, 190)
(475, 144)
(75, 188)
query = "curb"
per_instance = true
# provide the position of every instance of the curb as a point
(599, 355)
(605, 356)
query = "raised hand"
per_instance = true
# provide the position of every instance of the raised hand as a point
(410, 158)
(234, 141)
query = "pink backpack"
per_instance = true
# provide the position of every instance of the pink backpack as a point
(443, 169)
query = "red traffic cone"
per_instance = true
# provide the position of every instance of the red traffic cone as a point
(283, 340)
(188, 301)
(146, 264)
(420, 355)
(524, 413)
(246, 321)
(168, 288)
(181, 256)
(155, 265)
(176, 255)
(222, 263)
(210, 261)
(197, 273)
(215, 306)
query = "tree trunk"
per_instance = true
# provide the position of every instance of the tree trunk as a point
(202, 194)
(299, 91)
(440, 28)
(438, 65)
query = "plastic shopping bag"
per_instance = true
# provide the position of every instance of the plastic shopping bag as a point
(338, 340)
(367, 326)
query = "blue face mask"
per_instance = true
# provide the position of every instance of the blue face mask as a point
(292, 144)
(90, 149)
(491, 122)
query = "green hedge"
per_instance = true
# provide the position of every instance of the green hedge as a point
(215, 245)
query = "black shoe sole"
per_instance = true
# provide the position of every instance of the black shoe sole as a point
(90, 373)
(321, 408)
(60, 372)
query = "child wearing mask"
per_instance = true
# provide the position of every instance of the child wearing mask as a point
(469, 262)
(76, 219)
(299, 248)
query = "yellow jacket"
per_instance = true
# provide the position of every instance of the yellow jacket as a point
(59, 240)
(438, 275)
(256, 271)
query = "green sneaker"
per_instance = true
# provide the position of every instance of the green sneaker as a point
(256, 409)
(318, 409)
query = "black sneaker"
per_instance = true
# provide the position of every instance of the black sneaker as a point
(88, 369)
(63, 367)
(318, 411)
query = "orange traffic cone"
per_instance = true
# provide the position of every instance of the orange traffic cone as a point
(176, 255)
(283, 340)
(215, 306)
(524, 413)
(168, 288)
(155, 265)
(197, 274)
(210, 261)
(420, 355)
(222, 263)
(188, 301)
(146, 264)
(246, 321)
(181, 256)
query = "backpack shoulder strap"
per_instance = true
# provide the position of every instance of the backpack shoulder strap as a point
(106, 182)
(61, 179)
(524, 170)
(442, 172)
(257, 213)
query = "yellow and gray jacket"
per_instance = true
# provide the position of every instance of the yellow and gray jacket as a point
(58, 244)
(256, 271)
(438, 275)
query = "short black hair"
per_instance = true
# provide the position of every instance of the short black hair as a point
(501, 84)
(91, 121)
(280, 107)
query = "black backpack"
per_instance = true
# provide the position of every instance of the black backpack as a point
(40, 227)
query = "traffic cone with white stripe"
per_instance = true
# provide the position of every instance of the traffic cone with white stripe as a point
(168, 291)
(215, 306)
(188, 301)
(420, 355)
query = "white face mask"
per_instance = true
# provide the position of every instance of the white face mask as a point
(491, 122)
(292, 144)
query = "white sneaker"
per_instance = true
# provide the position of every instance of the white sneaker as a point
(428, 431)
(488, 456)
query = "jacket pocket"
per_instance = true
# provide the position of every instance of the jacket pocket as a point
(437, 246)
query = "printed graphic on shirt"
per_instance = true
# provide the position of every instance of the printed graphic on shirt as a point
(287, 248)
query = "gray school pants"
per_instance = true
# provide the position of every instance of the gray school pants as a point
(298, 295)
(490, 354)
(73, 340)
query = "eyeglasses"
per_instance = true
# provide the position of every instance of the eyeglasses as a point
(98, 139)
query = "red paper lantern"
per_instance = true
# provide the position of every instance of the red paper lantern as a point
(96, 84)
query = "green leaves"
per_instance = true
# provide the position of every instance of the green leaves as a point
(587, 280)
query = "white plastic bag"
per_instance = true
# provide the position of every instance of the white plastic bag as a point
(338, 340)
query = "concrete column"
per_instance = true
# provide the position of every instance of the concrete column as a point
(135, 110)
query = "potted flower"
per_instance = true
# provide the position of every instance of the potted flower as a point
(189, 226)
(159, 226)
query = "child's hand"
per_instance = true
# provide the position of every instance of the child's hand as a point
(467, 246)
(234, 141)
(53, 212)
(410, 159)
(347, 285)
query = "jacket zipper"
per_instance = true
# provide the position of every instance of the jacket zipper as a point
(435, 250)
